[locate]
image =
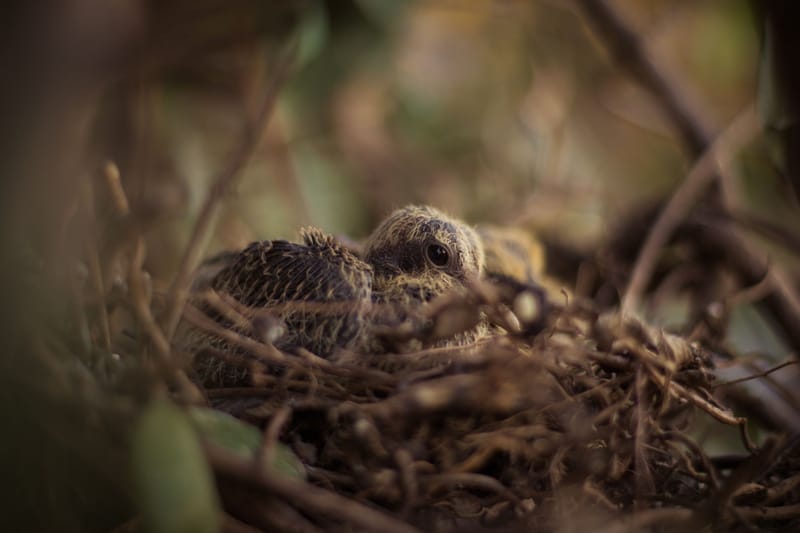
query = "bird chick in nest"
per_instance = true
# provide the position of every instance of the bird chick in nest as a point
(328, 298)
(512, 253)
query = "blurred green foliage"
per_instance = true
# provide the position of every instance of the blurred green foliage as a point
(497, 111)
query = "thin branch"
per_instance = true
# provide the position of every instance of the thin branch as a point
(271, 435)
(251, 137)
(305, 496)
(625, 45)
(141, 307)
(739, 132)
(759, 375)
(741, 253)
(783, 512)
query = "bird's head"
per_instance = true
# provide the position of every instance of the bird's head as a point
(419, 252)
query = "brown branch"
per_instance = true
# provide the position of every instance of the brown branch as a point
(627, 48)
(740, 131)
(271, 435)
(251, 137)
(469, 480)
(784, 512)
(783, 301)
(141, 303)
(114, 184)
(141, 307)
(305, 496)
(759, 375)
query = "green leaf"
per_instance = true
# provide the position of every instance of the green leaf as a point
(173, 483)
(312, 33)
(244, 440)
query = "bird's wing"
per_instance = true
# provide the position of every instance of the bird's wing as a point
(319, 288)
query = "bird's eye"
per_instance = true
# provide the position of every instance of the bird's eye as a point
(438, 255)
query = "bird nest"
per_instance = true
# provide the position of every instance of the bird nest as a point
(580, 418)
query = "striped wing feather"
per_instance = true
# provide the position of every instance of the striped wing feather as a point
(319, 288)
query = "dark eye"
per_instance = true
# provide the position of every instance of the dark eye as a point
(438, 255)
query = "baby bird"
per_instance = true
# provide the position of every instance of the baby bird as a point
(512, 253)
(329, 298)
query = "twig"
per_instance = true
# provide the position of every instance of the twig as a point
(783, 301)
(251, 136)
(629, 50)
(141, 305)
(114, 183)
(271, 434)
(408, 478)
(472, 480)
(738, 133)
(305, 496)
(690, 444)
(644, 484)
(141, 308)
(96, 275)
(683, 393)
(746, 440)
(782, 488)
(95, 269)
(759, 375)
(784, 512)
(266, 352)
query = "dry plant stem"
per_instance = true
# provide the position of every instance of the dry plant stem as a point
(784, 300)
(144, 315)
(759, 375)
(405, 466)
(785, 292)
(681, 393)
(271, 434)
(645, 486)
(114, 183)
(141, 306)
(784, 512)
(251, 136)
(95, 268)
(746, 440)
(743, 128)
(629, 49)
(782, 488)
(121, 204)
(95, 273)
(306, 497)
(267, 352)
(470, 479)
(684, 439)
(265, 514)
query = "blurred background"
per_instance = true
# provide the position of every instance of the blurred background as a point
(497, 111)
